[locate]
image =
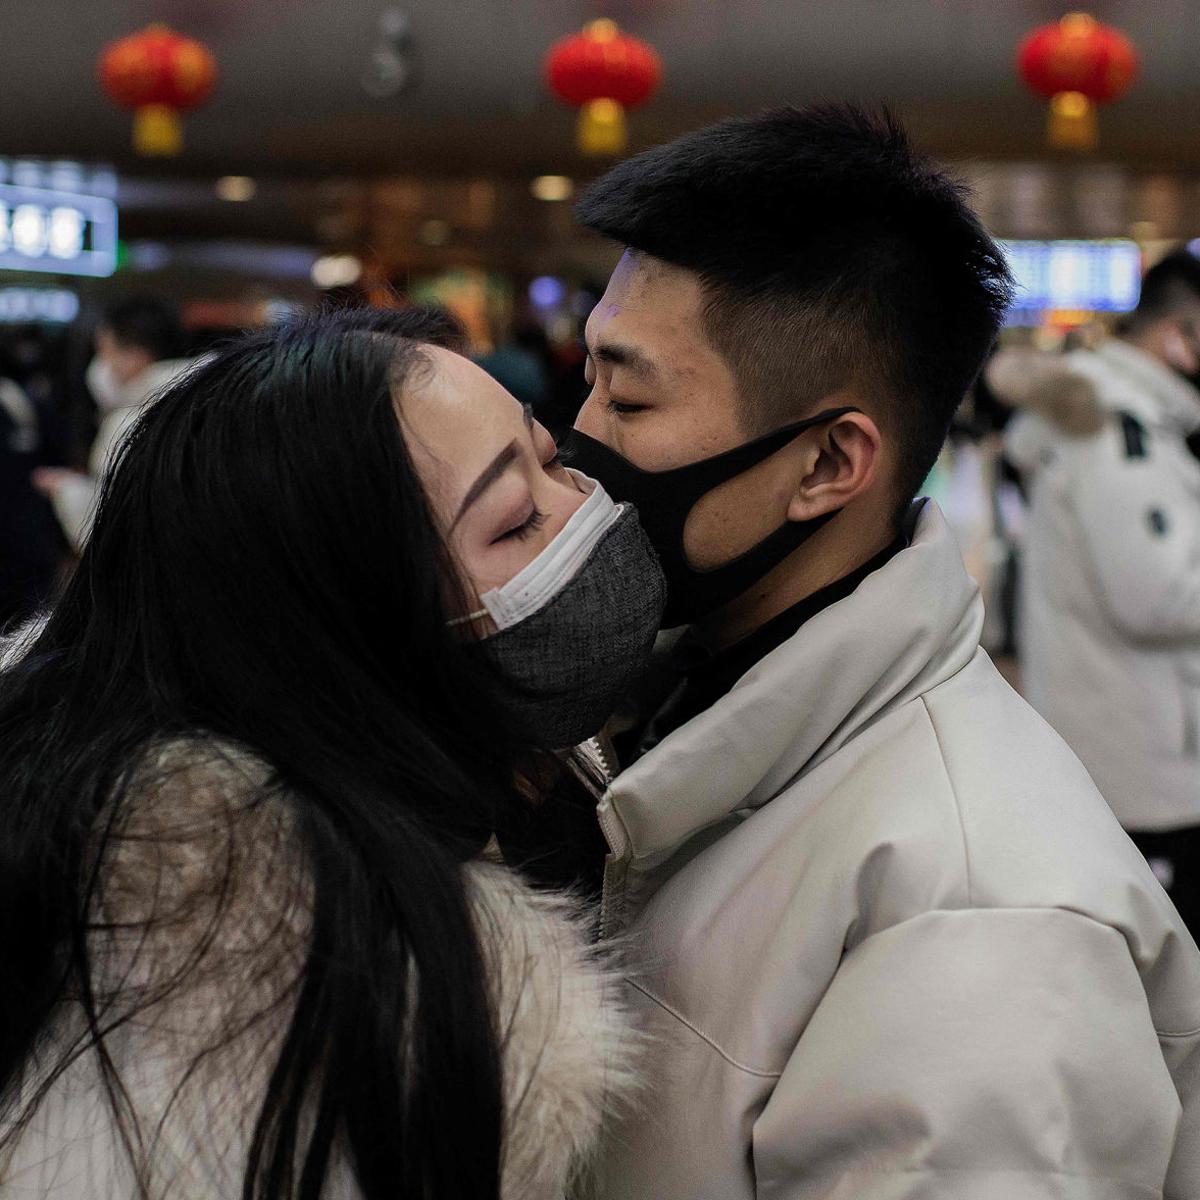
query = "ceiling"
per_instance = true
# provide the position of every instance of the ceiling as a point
(291, 110)
(291, 101)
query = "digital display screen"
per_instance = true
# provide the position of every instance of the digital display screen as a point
(64, 233)
(1099, 276)
(51, 306)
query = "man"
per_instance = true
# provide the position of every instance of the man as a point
(137, 344)
(890, 940)
(1110, 624)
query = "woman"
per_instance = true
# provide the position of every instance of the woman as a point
(325, 633)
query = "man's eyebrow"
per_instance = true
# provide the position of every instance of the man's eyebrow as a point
(621, 354)
(487, 477)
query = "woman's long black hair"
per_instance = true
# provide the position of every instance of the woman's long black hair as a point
(264, 569)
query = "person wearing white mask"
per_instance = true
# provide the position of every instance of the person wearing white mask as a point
(137, 354)
(1110, 607)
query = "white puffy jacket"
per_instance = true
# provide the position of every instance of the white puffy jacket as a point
(228, 872)
(1110, 605)
(897, 946)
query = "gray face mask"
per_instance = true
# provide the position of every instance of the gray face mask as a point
(576, 626)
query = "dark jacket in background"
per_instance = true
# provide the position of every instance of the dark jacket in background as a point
(31, 545)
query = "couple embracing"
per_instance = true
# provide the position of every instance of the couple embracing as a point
(293, 776)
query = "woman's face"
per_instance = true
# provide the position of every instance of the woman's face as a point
(491, 472)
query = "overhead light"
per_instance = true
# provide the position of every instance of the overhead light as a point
(336, 270)
(551, 187)
(547, 292)
(236, 187)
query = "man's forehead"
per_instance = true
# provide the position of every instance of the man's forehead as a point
(638, 276)
(645, 294)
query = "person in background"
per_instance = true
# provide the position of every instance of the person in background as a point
(1110, 603)
(31, 546)
(341, 605)
(897, 946)
(139, 344)
(519, 364)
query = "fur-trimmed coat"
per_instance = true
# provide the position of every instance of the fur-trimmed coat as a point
(1110, 581)
(222, 871)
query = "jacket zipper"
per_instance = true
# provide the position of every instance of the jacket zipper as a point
(607, 767)
(615, 866)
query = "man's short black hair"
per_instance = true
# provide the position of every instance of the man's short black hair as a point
(147, 323)
(831, 256)
(1169, 287)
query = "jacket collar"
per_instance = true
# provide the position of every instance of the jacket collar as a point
(909, 626)
(1167, 398)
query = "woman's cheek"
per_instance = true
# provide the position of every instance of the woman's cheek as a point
(494, 565)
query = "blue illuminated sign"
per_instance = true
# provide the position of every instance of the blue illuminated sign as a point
(24, 305)
(1095, 276)
(61, 232)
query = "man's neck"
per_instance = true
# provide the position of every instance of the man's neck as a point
(843, 545)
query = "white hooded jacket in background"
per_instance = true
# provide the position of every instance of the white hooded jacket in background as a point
(896, 947)
(75, 499)
(1110, 606)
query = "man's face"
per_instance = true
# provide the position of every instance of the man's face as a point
(662, 397)
(1180, 342)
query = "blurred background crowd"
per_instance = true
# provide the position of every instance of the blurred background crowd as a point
(172, 171)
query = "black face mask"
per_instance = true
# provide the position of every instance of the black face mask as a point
(665, 499)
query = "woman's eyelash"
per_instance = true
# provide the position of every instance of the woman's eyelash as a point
(535, 521)
(615, 406)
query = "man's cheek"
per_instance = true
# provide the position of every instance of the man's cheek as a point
(735, 517)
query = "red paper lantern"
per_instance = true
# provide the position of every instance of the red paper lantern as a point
(158, 74)
(602, 72)
(1077, 63)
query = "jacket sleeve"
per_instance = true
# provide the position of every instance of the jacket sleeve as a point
(1140, 528)
(981, 1054)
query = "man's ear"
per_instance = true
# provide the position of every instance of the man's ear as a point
(842, 462)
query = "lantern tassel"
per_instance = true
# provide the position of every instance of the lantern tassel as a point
(1072, 122)
(157, 131)
(601, 129)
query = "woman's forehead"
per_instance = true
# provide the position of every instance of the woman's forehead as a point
(455, 394)
(456, 417)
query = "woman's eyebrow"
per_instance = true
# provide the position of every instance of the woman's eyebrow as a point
(487, 477)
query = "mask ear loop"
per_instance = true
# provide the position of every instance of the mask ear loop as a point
(785, 435)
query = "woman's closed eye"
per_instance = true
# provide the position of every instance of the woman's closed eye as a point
(525, 529)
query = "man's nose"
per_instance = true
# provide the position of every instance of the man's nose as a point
(589, 418)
